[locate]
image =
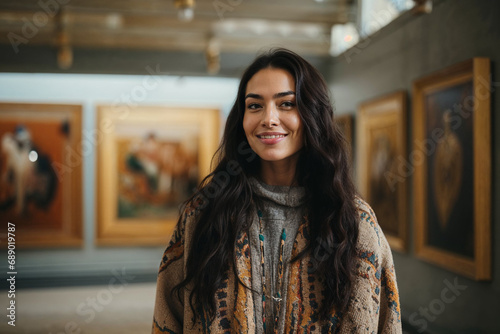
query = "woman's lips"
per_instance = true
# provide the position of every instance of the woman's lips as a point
(271, 138)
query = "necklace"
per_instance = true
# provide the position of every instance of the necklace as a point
(277, 297)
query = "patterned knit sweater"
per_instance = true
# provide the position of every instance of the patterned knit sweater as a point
(373, 308)
(282, 209)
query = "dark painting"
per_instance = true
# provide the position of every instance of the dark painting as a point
(450, 191)
(383, 196)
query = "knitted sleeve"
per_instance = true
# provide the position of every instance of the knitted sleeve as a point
(374, 305)
(390, 311)
(169, 310)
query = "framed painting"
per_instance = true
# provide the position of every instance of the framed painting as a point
(41, 173)
(452, 153)
(149, 161)
(381, 151)
(345, 124)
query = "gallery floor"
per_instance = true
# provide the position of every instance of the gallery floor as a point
(84, 310)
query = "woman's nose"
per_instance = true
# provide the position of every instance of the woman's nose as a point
(270, 117)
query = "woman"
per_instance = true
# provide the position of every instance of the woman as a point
(275, 240)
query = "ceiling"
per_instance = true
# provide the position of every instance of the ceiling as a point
(103, 29)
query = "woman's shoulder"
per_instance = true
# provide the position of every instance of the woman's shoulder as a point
(190, 212)
(185, 223)
(181, 234)
(192, 207)
(366, 214)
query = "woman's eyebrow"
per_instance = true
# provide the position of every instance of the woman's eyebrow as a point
(254, 96)
(275, 96)
(278, 95)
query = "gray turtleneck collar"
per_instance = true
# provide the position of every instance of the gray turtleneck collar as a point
(281, 207)
(289, 196)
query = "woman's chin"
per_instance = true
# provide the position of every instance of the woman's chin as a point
(277, 158)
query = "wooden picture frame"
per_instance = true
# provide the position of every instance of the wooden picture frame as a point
(452, 183)
(345, 123)
(149, 161)
(41, 173)
(381, 150)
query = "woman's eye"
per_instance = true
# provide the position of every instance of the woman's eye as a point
(288, 104)
(253, 106)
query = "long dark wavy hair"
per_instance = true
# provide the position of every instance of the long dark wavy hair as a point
(323, 169)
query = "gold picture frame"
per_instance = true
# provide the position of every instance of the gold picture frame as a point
(41, 173)
(381, 148)
(345, 123)
(149, 160)
(452, 183)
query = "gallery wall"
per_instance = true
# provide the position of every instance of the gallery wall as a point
(91, 264)
(409, 48)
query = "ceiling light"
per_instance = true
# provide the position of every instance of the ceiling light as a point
(343, 37)
(185, 9)
(114, 21)
(212, 55)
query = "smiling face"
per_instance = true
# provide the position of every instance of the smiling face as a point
(271, 121)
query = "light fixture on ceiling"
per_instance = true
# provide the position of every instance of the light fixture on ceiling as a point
(422, 6)
(114, 21)
(343, 37)
(185, 9)
(64, 49)
(212, 55)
